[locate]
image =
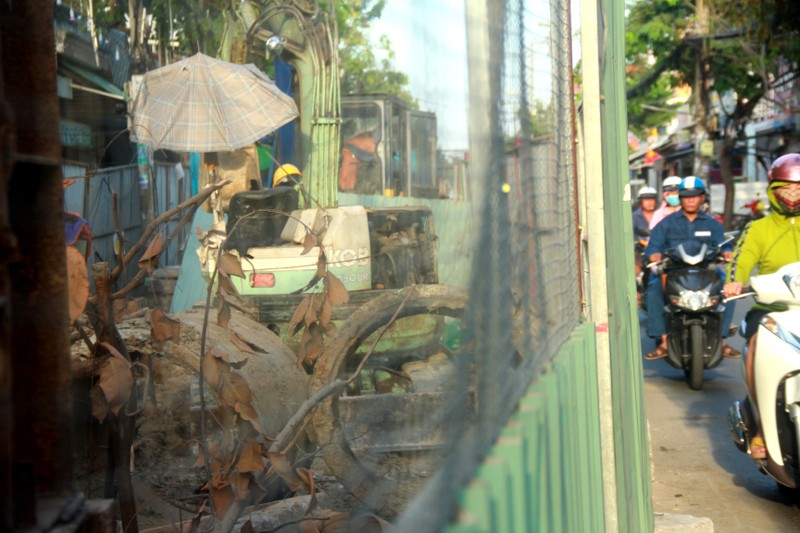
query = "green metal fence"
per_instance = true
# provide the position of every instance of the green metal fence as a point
(544, 472)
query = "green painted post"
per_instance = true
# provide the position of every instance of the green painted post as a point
(634, 493)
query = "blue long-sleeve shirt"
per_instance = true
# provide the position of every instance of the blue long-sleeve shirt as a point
(677, 229)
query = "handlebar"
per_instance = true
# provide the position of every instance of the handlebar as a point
(740, 296)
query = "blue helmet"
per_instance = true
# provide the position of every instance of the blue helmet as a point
(691, 186)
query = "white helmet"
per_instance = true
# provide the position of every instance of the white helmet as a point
(671, 183)
(647, 192)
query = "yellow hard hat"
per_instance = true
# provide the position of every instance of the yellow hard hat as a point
(284, 170)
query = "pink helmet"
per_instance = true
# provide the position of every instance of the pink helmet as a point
(785, 168)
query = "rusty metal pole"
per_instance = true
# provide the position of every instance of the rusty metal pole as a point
(41, 436)
(7, 246)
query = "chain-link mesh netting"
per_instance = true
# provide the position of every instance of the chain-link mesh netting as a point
(525, 296)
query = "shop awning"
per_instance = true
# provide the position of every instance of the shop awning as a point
(101, 85)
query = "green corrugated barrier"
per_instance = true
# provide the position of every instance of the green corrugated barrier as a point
(544, 472)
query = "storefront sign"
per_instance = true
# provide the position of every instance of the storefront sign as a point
(76, 134)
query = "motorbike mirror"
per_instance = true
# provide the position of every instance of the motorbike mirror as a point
(730, 236)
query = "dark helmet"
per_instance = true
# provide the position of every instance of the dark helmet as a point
(691, 186)
(785, 168)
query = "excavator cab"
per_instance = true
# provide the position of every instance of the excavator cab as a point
(387, 148)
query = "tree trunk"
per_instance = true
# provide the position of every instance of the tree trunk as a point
(726, 171)
(701, 92)
(122, 426)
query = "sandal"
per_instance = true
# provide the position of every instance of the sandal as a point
(659, 353)
(757, 449)
(727, 351)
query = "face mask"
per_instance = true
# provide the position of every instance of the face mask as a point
(673, 201)
(788, 199)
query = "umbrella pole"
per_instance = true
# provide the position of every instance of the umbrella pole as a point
(212, 163)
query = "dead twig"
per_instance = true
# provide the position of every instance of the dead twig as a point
(409, 291)
(196, 200)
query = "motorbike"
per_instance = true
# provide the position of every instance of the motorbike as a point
(641, 270)
(693, 298)
(777, 379)
(758, 209)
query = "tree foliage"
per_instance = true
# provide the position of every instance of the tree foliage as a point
(655, 29)
(362, 70)
(749, 48)
(744, 52)
(198, 26)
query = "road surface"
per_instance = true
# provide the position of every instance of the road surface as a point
(696, 468)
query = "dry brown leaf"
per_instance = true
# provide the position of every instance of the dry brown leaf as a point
(194, 525)
(312, 313)
(244, 345)
(326, 313)
(284, 469)
(299, 315)
(163, 327)
(307, 477)
(309, 242)
(214, 451)
(335, 290)
(77, 283)
(231, 265)
(223, 313)
(149, 258)
(116, 379)
(240, 483)
(226, 286)
(247, 412)
(99, 403)
(231, 389)
(250, 460)
(219, 354)
(322, 264)
(223, 499)
(311, 345)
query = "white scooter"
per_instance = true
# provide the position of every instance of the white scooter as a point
(777, 379)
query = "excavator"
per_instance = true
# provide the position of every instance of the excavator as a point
(293, 242)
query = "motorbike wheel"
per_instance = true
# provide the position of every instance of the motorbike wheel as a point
(694, 373)
(792, 495)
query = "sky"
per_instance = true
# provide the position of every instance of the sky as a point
(429, 41)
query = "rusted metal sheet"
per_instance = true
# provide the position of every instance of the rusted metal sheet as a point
(41, 454)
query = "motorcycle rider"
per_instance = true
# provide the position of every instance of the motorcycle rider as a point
(687, 224)
(648, 198)
(644, 214)
(767, 243)
(671, 203)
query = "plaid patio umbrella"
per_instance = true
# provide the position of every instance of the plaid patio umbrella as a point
(202, 104)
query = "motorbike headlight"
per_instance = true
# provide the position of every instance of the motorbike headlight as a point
(787, 336)
(693, 300)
